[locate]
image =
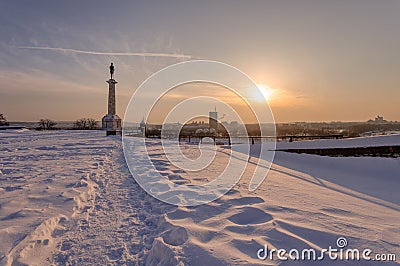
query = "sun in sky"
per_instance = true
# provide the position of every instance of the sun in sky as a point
(266, 93)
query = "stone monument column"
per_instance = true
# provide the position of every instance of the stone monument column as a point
(111, 96)
(111, 122)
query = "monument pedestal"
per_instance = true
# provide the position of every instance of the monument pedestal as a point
(111, 122)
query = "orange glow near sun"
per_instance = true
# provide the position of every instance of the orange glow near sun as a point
(265, 91)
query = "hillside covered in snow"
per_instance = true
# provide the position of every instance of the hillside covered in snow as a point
(68, 198)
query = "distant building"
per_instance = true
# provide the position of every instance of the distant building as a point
(142, 127)
(378, 119)
(195, 128)
(213, 120)
(192, 128)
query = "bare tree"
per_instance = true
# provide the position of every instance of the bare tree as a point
(3, 120)
(85, 123)
(46, 124)
(80, 124)
(92, 124)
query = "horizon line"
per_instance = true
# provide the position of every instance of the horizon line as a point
(282, 122)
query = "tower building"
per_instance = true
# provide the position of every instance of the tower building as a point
(213, 119)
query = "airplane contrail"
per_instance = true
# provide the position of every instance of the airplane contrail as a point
(66, 50)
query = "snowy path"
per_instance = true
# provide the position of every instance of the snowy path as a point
(120, 225)
(108, 230)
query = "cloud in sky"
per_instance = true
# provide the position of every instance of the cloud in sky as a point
(67, 50)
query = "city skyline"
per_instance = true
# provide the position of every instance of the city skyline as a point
(317, 61)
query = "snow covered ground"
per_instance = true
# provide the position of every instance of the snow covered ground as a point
(68, 198)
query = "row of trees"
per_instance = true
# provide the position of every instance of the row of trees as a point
(86, 123)
(82, 124)
(48, 124)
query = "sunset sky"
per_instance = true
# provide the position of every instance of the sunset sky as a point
(322, 60)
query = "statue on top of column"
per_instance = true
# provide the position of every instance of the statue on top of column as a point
(112, 69)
